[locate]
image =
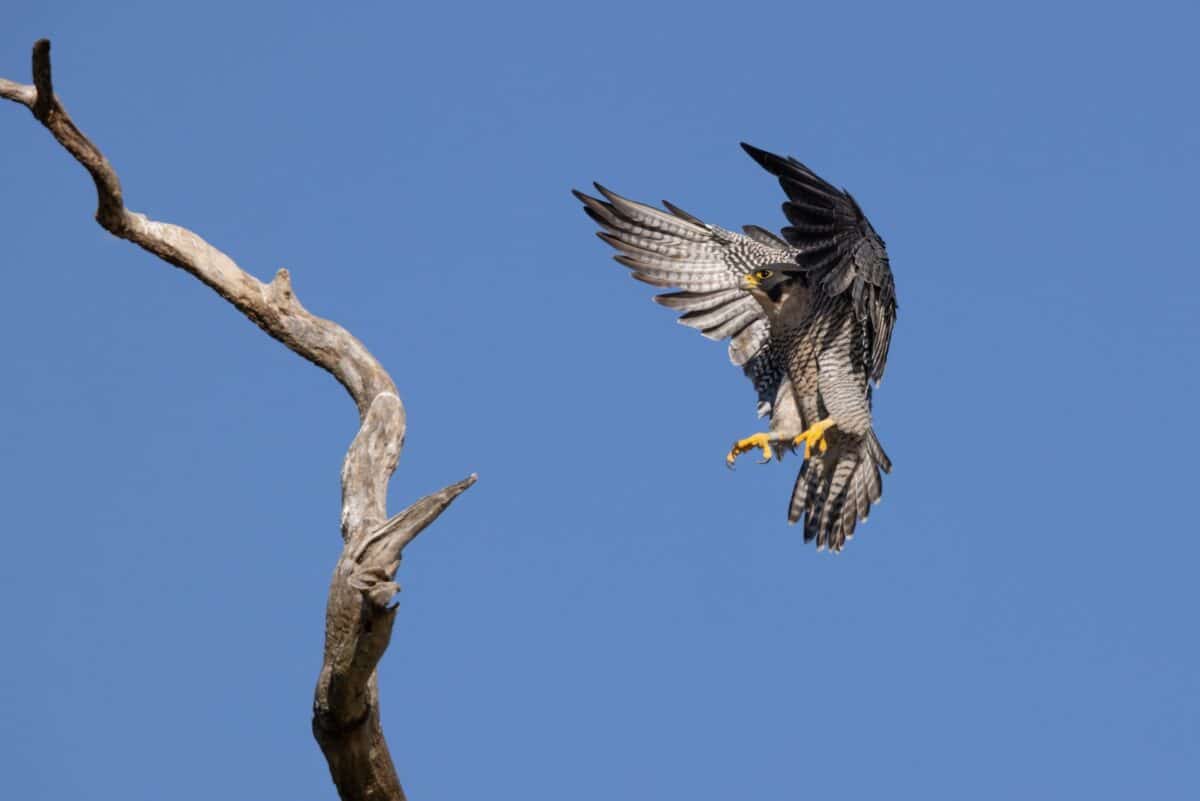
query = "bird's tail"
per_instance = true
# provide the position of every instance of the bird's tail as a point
(835, 489)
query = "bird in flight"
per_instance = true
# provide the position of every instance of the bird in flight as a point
(809, 319)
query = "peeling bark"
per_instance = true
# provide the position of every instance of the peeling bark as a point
(359, 616)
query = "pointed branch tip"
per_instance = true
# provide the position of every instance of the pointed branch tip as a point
(390, 539)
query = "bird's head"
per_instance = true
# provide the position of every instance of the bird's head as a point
(767, 283)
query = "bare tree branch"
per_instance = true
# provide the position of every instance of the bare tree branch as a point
(358, 620)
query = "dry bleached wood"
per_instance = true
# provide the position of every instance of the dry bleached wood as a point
(358, 621)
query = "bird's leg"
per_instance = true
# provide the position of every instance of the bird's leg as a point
(751, 442)
(814, 436)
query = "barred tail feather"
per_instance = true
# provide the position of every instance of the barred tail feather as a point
(835, 489)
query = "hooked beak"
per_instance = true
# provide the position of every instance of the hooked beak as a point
(749, 281)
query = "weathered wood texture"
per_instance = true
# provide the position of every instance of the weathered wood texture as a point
(358, 621)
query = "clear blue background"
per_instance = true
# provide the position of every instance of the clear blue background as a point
(609, 612)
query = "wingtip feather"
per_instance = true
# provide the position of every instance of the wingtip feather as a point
(609, 195)
(678, 212)
(768, 161)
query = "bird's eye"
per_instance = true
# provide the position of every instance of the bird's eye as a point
(762, 275)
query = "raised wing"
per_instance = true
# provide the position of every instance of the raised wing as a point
(674, 249)
(839, 249)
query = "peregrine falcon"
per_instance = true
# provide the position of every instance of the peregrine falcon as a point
(808, 316)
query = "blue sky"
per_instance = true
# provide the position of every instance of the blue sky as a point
(608, 612)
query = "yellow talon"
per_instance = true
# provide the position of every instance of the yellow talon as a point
(815, 436)
(751, 442)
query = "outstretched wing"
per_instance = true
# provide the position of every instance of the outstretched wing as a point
(839, 249)
(674, 249)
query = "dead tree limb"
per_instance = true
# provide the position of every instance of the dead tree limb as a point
(358, 620)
